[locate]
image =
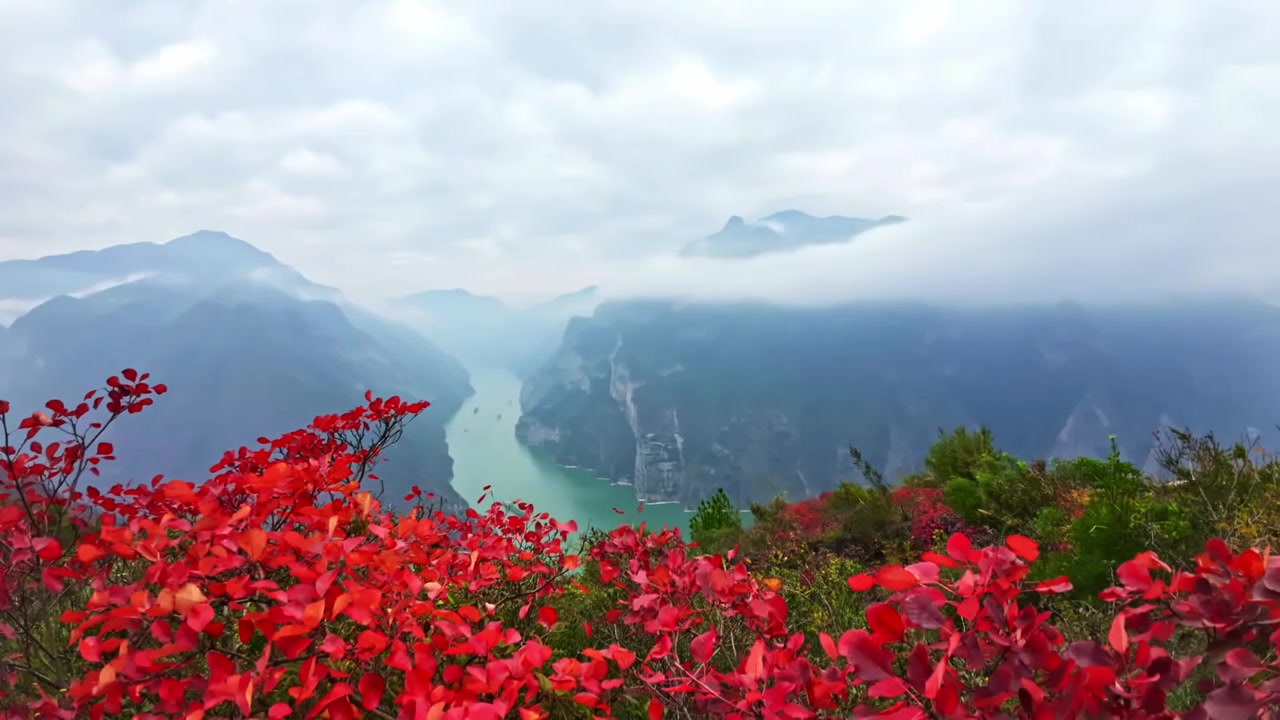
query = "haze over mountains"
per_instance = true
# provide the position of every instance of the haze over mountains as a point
(677, 398)
(487, 329)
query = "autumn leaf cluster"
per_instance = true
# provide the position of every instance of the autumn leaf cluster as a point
(282, 586)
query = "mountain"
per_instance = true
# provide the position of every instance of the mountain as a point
(203, 254)
(484, 329)
(247, 346)
(780, 232)
(682, 399)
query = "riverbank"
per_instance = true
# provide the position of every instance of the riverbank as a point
(485, 451)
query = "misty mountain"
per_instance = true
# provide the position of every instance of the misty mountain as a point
(484, 329)
(682, 399)
(247, 346)
(780, 232)
(204, 254)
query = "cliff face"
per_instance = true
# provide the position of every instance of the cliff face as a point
(680, 400)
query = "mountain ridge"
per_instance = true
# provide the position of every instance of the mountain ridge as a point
(680, 399)
(780, 232)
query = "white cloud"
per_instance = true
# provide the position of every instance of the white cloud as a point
(93, 69)
(393, 145)
(307, 163)
(174, 62)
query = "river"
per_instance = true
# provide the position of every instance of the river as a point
(482, 442)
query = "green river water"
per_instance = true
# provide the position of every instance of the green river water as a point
(485, 451)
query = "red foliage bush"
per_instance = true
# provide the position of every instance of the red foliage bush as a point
(281, 588)
(930, 516)
(810, 518)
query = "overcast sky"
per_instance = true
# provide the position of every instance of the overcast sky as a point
(517, 147)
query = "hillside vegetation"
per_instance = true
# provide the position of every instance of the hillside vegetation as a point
(281, 587)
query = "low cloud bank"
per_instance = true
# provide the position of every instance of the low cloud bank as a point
(1103, 239)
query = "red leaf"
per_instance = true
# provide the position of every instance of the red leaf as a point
(52, 579)
(1217, 549)
(622, 656)
(1250, 564)
(1240, 665)
(106, 448)
(200, 617)
(1088, 653)
(47, 549)
(1118, 638)
(925, 572)
(828, 645)
(887, 688)
(1056, 585)
(870, 662)
(753, 666)
(959, 547)
(1134, 576)
(254, 542)
(940, 560)
(703, 646)
(89, 553)
(1024, 547)
(655, 709)
(922, 611)
(896, 578)
(861, 582)
(1232, 701)
(934, 685)
(547, 616)
(371, 688)
(91, 649)
(884, 621)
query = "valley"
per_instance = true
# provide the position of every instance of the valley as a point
(582, 407)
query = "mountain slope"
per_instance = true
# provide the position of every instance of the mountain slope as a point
(780, 232)
(682, 399)
(244, 348)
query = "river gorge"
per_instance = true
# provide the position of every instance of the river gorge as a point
(485, 451)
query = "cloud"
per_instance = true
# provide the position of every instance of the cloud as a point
(1041, 148)
(13, 308)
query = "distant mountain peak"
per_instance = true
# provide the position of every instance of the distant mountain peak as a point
(444, 292)
(216, 241)
(782, 231)
(205, 255)
(784, 215)
(205, 235)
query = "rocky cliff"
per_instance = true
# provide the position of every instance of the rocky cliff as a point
(680, 400)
